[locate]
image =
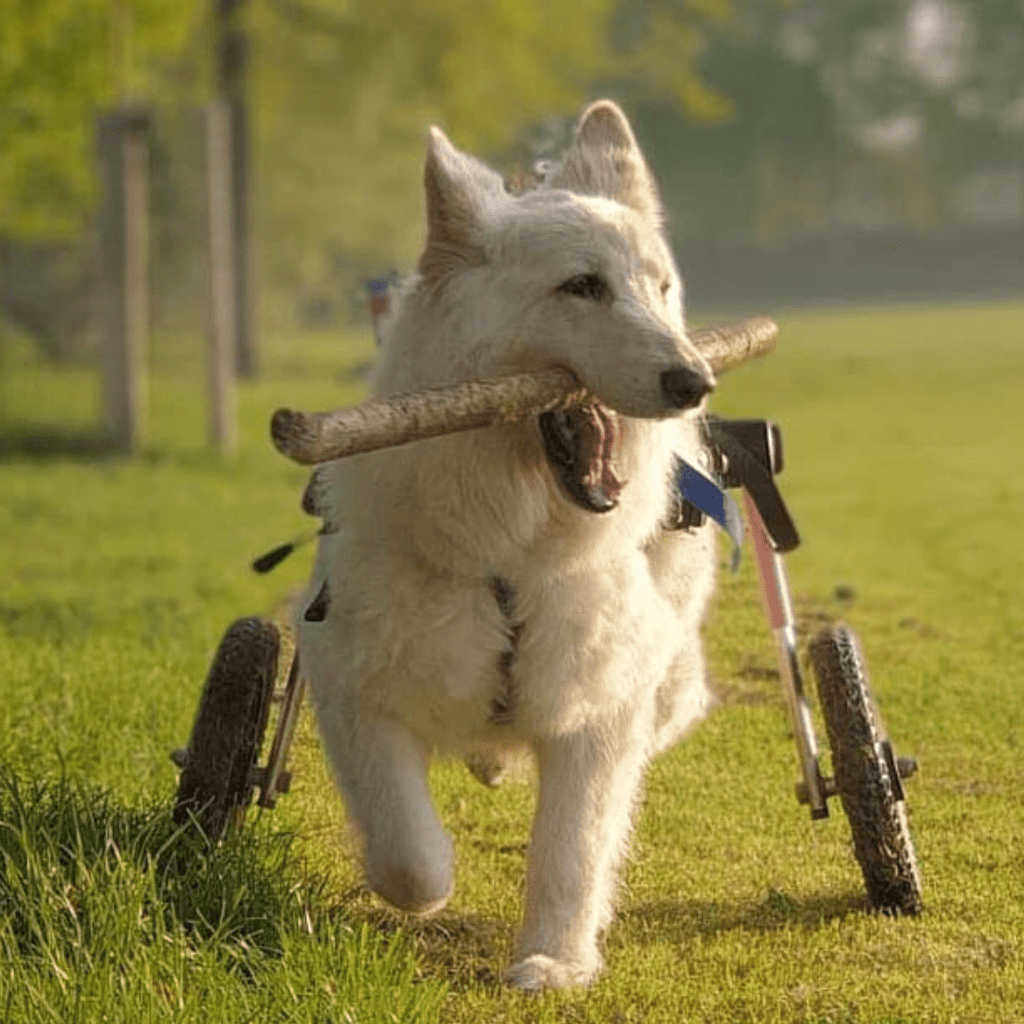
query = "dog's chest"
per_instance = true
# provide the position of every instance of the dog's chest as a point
(533, 657)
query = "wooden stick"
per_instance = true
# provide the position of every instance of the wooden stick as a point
(312, 438)
(726, 346)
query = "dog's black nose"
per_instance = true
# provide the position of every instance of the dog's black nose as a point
(683, 388)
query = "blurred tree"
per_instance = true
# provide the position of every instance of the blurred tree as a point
(658, 46)
(349, 86)
(60, 62)
(927, 89)
(767, 163)
(845, 114)
(344, 90)
(761, 115)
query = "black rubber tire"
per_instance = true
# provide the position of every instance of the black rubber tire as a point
(863, 773)
(215, 785)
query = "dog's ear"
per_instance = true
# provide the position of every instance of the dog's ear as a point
(605, 160)
(458, 190)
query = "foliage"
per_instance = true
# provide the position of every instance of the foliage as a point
(61, 61)
(347, 90)
(927, 87)
(343, 91)
(761, 117)
(845, 115)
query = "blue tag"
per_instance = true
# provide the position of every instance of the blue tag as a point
(706, 495)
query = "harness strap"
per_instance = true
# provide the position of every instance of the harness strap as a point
(703, 493)
(746, 470)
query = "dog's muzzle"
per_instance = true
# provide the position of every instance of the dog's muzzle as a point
(579, 443)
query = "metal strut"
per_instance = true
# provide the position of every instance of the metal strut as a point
(775, 589)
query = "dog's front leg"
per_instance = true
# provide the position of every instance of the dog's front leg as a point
(409, 858)
(382, 771)
(380, 767)
(588, 784)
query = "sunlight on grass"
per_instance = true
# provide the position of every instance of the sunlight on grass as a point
(905, 474)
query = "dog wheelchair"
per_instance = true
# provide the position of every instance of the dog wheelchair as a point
(220, 769)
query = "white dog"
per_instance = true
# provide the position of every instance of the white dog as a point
(514, 588)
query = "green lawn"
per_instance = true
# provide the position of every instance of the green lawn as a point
(905, 473)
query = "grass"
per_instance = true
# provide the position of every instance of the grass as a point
(905, 474)
(113, 914)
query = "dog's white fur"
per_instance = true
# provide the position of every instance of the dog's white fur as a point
(607, 667)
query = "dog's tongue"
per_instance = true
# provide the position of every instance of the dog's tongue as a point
(580, 443)
(600, 475)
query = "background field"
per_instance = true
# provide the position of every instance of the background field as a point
(905, 473)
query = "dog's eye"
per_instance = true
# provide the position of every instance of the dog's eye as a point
(585, 286)
(665, 285)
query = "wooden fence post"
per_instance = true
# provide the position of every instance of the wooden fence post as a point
(122, 142)
(221, 363)
(231, 72)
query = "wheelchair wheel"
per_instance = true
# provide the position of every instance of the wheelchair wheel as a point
(216, 783)
(866, 774)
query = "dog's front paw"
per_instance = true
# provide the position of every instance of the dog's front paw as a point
(538, 971)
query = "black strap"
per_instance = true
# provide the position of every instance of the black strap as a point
(748, 471)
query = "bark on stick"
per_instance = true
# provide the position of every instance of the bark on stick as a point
(312, 438)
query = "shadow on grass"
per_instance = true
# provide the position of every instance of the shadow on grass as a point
(682, 919)
(468, 950)
(66, 624)
(463, 950)
(42, 443)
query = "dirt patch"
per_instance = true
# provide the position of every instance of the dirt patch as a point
(921, 629)
(811, 619)
(758, 673)
(753, 684)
